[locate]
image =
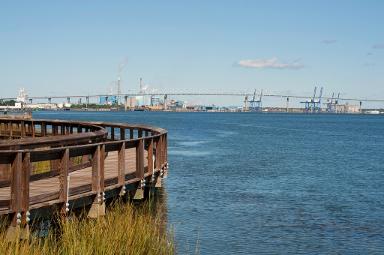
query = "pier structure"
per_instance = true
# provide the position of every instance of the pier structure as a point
(49, 166)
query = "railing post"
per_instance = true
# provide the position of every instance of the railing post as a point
(150, 156)
(63, 178)
(10, 129)
(33, 129)
(16, 195)
(98, 207)
(139, 194)
(112, 133)
(161, 151)
(157, 158)
(140, 159)
(102, 170)
(54, 129)
(140, 133)
(131, 133)
(122, 133)
(26, 172)
(43, 129)
(158, 162)
(96, 170)
(19, 198)
(166, 148)
(121, 164)
(22, 128)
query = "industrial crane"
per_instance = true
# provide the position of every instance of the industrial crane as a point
(256, 105)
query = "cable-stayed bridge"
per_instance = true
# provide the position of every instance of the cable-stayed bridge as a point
(166, 94)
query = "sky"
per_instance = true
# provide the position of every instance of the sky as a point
(76, 47)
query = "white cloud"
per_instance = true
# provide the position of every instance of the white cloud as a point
(378, 46)
(271, 63)
(329, 41)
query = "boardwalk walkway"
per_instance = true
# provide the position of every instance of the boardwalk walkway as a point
(87, 161)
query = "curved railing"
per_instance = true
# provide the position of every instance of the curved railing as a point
(56, 162)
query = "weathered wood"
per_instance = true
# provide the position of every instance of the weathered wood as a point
(108, 165)
(26, 172)
(150, 156)
(16, 196)
(22, 128)
(166, 147)
(102, 167)
(122, 133)
(96, 170)
(121, 164)
(140, 159)
(112, 133)
(33, 129)
(43, 129)
(54, 130)
(157, 158)
(63, 180)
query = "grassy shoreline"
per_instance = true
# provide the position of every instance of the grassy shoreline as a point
(125, 229)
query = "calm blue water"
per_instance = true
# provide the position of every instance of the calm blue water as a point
(248, 183)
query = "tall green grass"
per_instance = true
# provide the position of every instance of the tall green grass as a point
(124, 230)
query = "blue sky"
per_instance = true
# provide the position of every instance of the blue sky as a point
(75, 47)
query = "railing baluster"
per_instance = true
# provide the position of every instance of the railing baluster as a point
(121, 164)
(112, 133)
(26, 172)
(150, 157)
(22, 128)
(157, 158)
(166, 148)
(16, 195)
(43, 129)
(102, 166)
(122, 133)
(96, 170)
(63, 178)
(140, 159)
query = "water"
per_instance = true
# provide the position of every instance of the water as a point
(248, 183)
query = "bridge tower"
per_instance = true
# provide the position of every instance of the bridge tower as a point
(245, 108)
(287, 105)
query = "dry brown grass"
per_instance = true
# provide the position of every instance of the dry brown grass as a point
(124, 230)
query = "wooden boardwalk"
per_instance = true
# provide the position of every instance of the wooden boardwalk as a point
(87, 162)
(80, 178)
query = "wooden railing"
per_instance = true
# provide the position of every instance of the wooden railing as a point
(64, 147)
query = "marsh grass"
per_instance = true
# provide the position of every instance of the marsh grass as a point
(125, 229)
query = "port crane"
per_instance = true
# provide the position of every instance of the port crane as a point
(314, 104)
(256, 104)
